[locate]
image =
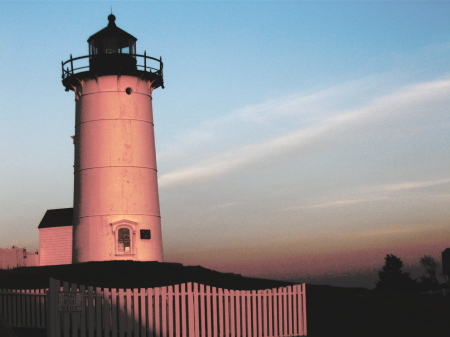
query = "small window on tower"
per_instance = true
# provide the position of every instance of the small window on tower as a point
(124, 240)
(124, 232)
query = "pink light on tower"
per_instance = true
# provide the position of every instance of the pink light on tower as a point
(116, 203)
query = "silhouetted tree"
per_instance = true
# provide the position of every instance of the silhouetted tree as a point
(430, 281)
(431, 267)
(391, 276)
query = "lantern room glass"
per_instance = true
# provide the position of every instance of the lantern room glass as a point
(112, 45)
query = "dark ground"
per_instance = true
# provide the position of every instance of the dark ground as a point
(336, 312)
(129, 274)
(331, 311)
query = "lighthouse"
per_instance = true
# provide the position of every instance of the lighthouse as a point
(116, 213)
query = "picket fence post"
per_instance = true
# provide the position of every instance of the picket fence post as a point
(52, 320)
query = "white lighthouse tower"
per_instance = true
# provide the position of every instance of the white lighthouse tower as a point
(116, 205)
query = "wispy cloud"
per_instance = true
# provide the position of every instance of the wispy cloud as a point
(339, 203)
(366, 194)
(408, 185)
(307, 242)
(225, 205)
(384, 112)
(294, 111)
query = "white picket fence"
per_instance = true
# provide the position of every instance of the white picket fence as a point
(24, 308)
(183, 310)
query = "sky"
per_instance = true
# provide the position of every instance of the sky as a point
(296, 140)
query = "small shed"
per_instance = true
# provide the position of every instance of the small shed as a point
(55, 237)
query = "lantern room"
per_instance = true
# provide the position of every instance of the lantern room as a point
(112, 50)
(112, 40)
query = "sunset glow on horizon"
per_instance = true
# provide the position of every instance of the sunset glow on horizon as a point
(294, 140)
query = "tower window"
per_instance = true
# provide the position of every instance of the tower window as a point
(124, 232)
(124, 241)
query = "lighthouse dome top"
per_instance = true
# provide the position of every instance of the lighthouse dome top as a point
(112, 40)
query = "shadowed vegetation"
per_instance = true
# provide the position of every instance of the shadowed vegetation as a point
(331, 311)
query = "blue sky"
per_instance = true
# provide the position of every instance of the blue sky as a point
(292, 136)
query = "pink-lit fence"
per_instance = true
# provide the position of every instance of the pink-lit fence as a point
(17, 257)
(184, 310)
(24, 308)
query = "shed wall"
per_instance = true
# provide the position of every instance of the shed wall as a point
(55, 245)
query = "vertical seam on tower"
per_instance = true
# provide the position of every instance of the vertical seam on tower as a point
(109, 137)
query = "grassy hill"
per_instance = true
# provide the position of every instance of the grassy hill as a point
(129, 274)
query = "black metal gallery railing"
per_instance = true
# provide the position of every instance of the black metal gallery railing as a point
(78, 64)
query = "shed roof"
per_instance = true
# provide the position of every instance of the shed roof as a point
(57, 218)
